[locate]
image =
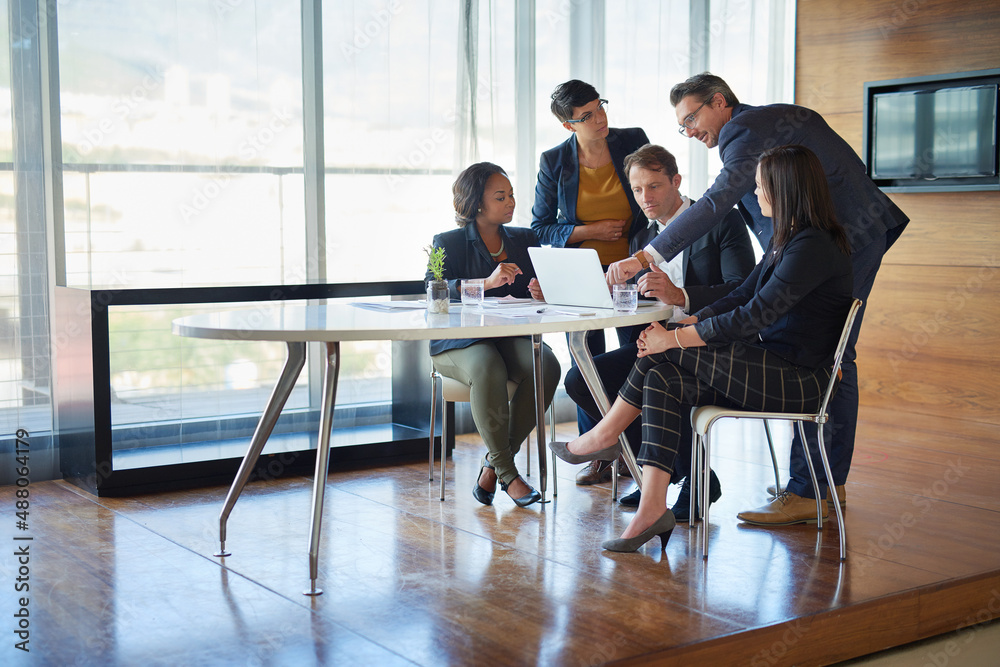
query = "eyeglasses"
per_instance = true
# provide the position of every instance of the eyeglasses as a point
(590, 114)
(688, 123)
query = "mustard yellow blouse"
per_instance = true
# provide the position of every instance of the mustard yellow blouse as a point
(601, 197)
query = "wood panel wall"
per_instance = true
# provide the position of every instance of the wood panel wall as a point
(930, 343)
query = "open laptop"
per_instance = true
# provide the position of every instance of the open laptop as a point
(572, 277)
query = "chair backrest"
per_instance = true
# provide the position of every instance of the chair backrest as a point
(839, 354)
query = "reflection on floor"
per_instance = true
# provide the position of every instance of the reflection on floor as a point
(409, 579)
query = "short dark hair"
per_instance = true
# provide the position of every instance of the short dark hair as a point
(469, 189)
(704, 86)
(652, 157)
(795, 183)
(567, 96)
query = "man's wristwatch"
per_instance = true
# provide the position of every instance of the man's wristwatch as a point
(641, 256)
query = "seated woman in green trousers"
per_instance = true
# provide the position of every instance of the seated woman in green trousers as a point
(485, 247)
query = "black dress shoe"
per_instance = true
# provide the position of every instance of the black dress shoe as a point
(478, 492)
(532, 496)
(631, 500)
(682, 508)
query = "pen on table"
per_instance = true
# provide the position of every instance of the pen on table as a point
(540, 310)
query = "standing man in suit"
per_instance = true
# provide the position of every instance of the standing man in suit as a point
(708, 269)
(707, 110)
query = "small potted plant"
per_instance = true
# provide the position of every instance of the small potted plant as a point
(437, 289)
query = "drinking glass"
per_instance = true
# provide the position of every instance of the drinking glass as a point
(472, 291)
(626, 298)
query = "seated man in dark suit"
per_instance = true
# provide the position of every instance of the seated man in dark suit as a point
(708, 269)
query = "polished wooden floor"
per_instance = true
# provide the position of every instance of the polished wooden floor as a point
(411, 580)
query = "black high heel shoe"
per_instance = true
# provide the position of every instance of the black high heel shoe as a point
(478, 492)
(663, 527)
(532, 496)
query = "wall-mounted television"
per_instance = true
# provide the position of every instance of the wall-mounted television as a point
(933, 133)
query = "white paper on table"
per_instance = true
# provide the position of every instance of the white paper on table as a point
(506, 302)
(391, 306)
(517, 310)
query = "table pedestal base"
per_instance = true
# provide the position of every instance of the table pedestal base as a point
(294, 362)
(282, 390)
(581, 353)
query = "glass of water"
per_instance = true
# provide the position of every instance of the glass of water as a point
(626, 298)
(472, 291)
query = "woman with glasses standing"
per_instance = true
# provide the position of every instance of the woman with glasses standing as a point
(583, 198)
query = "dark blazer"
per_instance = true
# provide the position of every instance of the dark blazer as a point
(794, 307)
(863, 210)
(713, 265)
(553, 215)
(466, 256)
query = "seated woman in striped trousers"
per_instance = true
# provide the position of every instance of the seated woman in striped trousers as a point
(766, 346)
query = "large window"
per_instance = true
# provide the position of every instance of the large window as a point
(182, 142)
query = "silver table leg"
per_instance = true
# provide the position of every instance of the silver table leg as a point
(584, 360)
(536, 352)
(322, 460)
(294, 362)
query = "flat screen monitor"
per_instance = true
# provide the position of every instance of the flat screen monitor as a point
(934, 134)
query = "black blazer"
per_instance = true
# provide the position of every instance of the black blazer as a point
(715, 264)
(553, 215)
(795, 307)
(466, 256)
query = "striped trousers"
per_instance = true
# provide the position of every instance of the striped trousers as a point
(667, 385)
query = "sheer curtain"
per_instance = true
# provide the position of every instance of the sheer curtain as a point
(653, 46)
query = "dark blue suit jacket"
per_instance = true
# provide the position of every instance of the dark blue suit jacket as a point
(466, 256)
(863, 210)
(715, 264)
(553, 215)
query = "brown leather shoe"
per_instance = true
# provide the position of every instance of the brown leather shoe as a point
(785, 510)
(841, 494)
(596, 472)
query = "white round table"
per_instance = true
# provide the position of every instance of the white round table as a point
(296, 324)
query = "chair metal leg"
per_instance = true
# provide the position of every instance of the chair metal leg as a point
(812, 473)
(527, 452)
(695, 480)
(833, 493)
(774, 459)
(614, 481)
(694, 474)
(435, 380)
(444, 440)
(706, 458)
